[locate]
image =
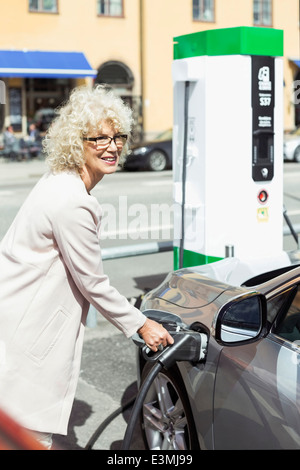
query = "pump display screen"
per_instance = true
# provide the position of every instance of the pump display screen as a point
(262, 118)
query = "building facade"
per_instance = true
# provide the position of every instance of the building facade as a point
(47, 47)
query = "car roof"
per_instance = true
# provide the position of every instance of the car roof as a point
(276, 280)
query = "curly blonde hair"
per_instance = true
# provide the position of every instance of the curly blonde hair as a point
(85, 111)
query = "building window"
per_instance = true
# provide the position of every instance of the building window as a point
(43, 96)
(15, 108)
(262, 12)
(46, 6)
(204, 10)
(110, 7)
(115, 74)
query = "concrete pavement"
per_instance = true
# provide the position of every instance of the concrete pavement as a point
(13, 172)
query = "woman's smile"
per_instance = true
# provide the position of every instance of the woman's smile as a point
(108, 160)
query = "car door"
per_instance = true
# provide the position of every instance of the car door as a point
(256, 402)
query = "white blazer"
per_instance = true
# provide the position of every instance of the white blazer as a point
(50, 271)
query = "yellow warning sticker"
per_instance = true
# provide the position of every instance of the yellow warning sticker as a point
(262, 214)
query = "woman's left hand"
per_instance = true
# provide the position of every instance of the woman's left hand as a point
(154, 335)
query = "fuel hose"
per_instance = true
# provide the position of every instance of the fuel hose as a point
(95, 436)
(138, 405)
(184, 161)
(188, 346)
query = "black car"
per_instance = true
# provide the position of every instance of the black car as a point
(43, 118)
(155, 155)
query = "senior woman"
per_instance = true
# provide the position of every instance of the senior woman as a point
(51, 268)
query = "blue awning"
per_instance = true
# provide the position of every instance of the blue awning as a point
(296, 62)
(44, 64)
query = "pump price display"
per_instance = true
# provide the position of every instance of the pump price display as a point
(263, 98)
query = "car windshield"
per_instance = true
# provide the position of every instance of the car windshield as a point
(165, 135)
(295, 131)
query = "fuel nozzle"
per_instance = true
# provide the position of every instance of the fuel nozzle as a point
(188, 346)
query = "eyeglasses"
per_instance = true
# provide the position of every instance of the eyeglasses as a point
(104, 141)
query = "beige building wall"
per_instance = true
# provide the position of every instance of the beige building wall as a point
(77, 27)
(164, 20)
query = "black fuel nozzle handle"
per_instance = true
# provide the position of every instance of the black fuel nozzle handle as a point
(188, 346)
(152, 356)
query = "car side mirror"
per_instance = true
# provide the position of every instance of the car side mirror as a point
(241, 319)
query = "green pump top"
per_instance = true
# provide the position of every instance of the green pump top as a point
(243, 40)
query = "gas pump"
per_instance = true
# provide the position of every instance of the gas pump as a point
(227, 147)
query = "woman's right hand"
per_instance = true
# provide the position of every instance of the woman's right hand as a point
(154, 335)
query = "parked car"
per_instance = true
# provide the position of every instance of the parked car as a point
(43, 118)
(291, 146)
(245, 393)
(155, 155)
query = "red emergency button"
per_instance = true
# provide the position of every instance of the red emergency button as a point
(263, 196)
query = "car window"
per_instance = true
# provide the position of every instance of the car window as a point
(165, 135)
(295, 131)
(288, 324)
(279, 303)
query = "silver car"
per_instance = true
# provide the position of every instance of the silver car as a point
(291, 146)
(245, 393)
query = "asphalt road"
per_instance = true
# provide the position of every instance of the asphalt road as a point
(108, 375)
